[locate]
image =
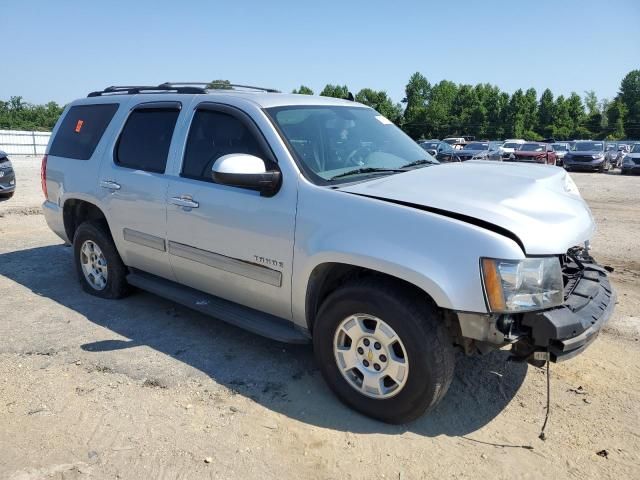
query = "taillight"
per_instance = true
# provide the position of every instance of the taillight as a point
(43, 176)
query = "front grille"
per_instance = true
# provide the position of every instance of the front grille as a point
(582, 158)
(465, 157)
(636, 161)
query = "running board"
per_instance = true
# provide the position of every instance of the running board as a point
(261, 323)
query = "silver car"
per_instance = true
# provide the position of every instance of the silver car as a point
(313, 219)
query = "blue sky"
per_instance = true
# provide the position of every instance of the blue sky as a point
(61, 50)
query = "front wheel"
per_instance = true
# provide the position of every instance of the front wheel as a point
(383, 350)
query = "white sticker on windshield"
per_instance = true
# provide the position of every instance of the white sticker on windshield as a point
(384, 120)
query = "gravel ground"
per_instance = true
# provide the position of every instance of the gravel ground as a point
(143, 388)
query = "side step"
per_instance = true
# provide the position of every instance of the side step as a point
(252, 320)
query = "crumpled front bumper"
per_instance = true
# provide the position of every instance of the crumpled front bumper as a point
(566, 331)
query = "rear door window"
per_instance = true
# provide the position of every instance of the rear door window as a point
(146, 137)
(81, 130)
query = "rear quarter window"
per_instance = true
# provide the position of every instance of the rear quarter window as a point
(81, 130)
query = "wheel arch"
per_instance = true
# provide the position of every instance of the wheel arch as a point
(326, 277)
(76, 211)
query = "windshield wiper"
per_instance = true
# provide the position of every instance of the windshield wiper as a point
(365, 170)
(422, 161)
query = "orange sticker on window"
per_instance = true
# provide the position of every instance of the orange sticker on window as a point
(79, 125)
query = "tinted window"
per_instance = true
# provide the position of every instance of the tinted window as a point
(212, 135)
(81, 130)
(144, 142)
(588, 146)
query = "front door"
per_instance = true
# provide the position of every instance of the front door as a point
(229, 241)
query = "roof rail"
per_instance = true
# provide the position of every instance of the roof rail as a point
(223, 84)
(133, 89)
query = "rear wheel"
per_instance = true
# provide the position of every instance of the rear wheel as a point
(383, 350)
(99, 266)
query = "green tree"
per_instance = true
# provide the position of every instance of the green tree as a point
(591, 102)
(303, 90)
(220, 85)
(380, 101)
(577, 115)
(435, 119)
(546, 114)
(630, 97)
(336, 91)
(416, 98)
(515, 116)
(616, 113)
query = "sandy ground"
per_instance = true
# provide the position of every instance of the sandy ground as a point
(143, 388)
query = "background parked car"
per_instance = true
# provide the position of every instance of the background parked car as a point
(474, 151)
(7, 177)
(561, 149)
(586, 156)
(442, 151)
(631, 162)
(534, 152)
(509, 146)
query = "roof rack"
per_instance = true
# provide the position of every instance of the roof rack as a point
(133, 89)
(175, 87)
(224, 84)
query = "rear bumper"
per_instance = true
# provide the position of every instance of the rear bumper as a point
(53, 216)
(587, 166)
(568, 330)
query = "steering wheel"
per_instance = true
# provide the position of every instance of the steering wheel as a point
(358, 156)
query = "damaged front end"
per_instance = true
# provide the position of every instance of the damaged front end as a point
(554, 334)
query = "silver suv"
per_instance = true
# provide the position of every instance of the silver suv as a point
(312, 219)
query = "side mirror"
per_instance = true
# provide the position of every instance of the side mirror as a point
(246, 171)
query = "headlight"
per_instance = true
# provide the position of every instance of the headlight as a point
(597, 156)
(1, 173)
(522, 285)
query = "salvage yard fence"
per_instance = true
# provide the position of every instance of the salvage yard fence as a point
(23, 142)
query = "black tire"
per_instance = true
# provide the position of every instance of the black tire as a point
(116, 286)
(428, 345)
(6, 196)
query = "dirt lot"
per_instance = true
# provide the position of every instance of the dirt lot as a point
(143, 388)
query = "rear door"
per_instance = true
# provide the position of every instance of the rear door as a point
(134, 186)
(229, 241)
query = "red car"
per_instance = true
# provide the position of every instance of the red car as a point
(535, 153)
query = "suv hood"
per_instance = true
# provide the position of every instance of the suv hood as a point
(532, 202)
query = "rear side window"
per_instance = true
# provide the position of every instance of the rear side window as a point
(212, 135)
(81, 130)
(145, 140)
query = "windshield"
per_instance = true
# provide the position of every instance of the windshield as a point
(511, 145)
(330, 141)
(636, 148)
(560, 147)
(532, 147)
(476, 146)
(588, 146)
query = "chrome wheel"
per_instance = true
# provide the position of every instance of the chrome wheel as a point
(371, 356)
(94, 265)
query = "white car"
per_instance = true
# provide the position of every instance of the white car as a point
(509, 146)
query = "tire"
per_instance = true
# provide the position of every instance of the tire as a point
(6, 196)
(428, 347)
(116, 272)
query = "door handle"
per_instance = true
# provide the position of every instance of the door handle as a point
(110, 185)
(184, 201)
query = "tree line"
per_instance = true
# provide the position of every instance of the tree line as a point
(483, 110)
(448, 109)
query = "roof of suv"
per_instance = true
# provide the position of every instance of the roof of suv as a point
(264, 99)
